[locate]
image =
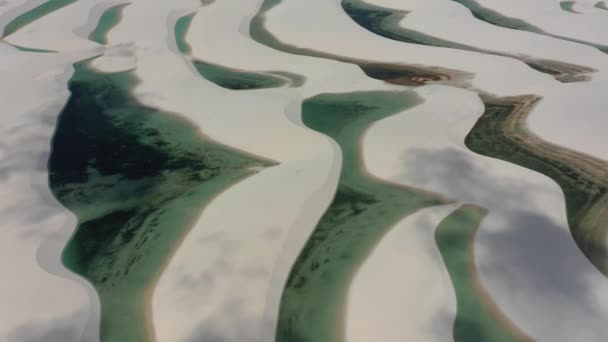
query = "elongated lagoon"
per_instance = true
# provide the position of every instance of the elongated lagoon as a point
(363, 210)
(396, 73)
(478, 318)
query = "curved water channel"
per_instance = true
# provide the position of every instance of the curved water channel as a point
(385, 22)
(227, 77)
(492, 17)
(169, 171)
(478, 318)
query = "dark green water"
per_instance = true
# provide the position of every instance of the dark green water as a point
(136, 178)
(477, 320)
(108, 20)
(363, 210)
(35, 14)
(27, 49)
(493, 136)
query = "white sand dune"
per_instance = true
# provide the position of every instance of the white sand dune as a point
(221, 288)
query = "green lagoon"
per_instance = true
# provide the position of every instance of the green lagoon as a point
(568, 6)
(108, 20)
